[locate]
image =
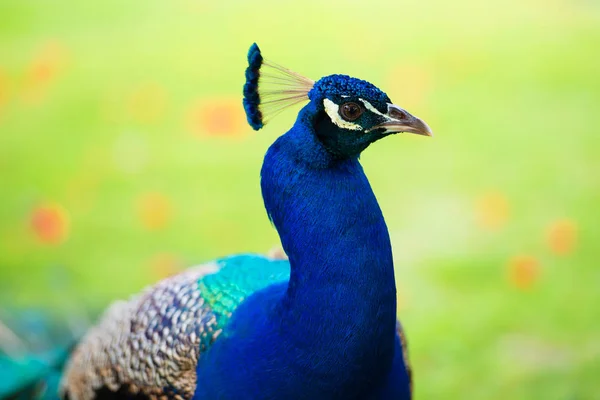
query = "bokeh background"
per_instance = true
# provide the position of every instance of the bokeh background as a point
(125, 157)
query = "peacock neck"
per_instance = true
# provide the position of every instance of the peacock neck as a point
(333, 231)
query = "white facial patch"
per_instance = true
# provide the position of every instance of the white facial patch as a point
(332, 110)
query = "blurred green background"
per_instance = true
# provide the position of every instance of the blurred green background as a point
(125, 156)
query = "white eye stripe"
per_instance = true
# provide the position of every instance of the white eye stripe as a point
(332, 110)
(370, 107)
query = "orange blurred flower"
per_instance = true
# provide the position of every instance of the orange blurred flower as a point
(164, 265)
(523, 271)
(50, 223)
(44, 68)
(561, 236)
(217, 117)
(154, 210)
(147, 103)
(492, 210)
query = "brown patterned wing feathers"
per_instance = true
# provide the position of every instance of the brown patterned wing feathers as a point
(146, 346)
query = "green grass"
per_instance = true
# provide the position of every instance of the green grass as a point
(511, 89)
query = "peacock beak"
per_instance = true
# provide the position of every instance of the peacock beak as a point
(400, 120)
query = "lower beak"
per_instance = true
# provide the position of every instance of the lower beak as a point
(400, 120)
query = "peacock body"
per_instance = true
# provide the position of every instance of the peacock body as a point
(321, 325)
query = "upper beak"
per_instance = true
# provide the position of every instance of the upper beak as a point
(399, 120)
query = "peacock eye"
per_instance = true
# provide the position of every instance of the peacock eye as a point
(350, 111)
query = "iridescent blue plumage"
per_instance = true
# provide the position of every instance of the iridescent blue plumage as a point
(270, 88)
(251, 96)
(319, 326)
(337, 86)
(330, 331)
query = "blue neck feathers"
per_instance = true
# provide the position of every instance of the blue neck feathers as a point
(332, 229)
(328, 333)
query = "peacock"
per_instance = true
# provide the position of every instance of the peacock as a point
(319, 324)
(34, 345)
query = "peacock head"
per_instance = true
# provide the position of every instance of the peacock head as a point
(347, 114)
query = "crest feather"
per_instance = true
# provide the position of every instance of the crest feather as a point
(270, 88)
